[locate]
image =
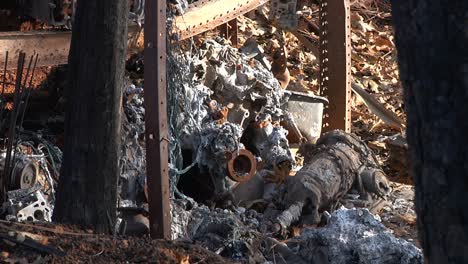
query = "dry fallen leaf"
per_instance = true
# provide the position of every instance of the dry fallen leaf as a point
(184, 259)
(125, 243)
(377, 145)
(357, 22)
(383, 44)
(409, 219)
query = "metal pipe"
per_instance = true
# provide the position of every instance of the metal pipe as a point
(157, 158)
(241, 165)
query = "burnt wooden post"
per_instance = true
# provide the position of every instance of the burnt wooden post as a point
(156, 119)
(87, 188)
(335, 63)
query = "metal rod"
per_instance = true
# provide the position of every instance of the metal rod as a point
(11, 136)
(4, 73)
(28, 93)
(16, 111)
(157, 169)
(229, 31)
(3, 99)
(335, 63)
(23, 89)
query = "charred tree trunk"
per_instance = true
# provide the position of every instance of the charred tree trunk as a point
(432, 38)
(87, 191)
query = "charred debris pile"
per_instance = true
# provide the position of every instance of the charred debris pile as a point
(253, 178)
(246, 175)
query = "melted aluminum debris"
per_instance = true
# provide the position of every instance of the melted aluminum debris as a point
(217, 140)
(219, 73)
(233, 76)
(33, 178)
(133, 158)
(351, 236)
(249, 91)
(214, 97)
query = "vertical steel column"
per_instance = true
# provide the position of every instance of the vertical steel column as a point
(335, 63)
(229, 31)
(156, 119)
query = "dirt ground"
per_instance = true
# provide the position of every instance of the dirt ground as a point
(80, 246)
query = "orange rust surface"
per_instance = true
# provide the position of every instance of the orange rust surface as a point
(39, 78)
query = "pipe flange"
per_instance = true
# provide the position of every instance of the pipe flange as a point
(241, 166)
(24, 174)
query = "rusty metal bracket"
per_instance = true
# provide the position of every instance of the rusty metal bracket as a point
(335, 63)
(157, 157)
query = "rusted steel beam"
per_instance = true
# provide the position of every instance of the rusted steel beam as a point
(53, 46)
(201, 16)
(204, 15)
(335, 63)
(157, 170)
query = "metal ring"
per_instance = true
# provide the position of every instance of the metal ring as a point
(241, 166)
